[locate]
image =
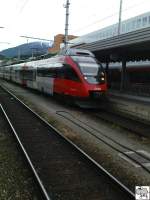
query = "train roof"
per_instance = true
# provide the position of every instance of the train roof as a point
(76, 52)
(55, 61)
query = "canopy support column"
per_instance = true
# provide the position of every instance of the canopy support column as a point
(123, 75)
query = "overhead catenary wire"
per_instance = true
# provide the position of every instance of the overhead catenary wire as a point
(23, 6)
(108, 17)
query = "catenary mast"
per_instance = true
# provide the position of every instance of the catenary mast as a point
(66, 23)
(120, 15)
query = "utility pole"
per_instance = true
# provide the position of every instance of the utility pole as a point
(19, 53)
(120, 14)
(34, 51)
(66, 23)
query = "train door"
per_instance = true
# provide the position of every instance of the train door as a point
(45, 80)
(67, 82)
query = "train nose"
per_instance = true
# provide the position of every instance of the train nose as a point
(95, 94)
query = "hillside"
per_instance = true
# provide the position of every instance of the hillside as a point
(28, 49)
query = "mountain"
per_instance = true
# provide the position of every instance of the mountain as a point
(2, 57)
(27, 49)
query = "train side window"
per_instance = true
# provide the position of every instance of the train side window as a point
(69, 73)
(28, 75)
(46, 72)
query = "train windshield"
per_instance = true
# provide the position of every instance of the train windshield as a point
(90, 68)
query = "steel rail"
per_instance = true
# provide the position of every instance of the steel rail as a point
(43, 190)
(75, 146)
(108, 137)
(121, 145)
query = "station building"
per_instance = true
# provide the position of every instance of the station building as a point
(59, 39)
(132, 24)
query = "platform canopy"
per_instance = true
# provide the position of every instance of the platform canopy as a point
(132, 46)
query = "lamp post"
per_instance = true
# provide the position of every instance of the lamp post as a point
(34, 51)
(120, 14)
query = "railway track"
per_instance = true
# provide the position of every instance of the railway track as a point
(9, 190)
(63, 171)
(108, 140)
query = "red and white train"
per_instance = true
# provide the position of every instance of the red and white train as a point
(73, 73)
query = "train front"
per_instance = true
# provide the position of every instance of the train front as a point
(92, 75)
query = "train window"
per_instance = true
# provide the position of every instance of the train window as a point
(87, 65)
(47, 72)
(60, 72)
(31, 75)
(83, 59)
(69, 73)
(90, 69)
(17, 74)
(28, 75)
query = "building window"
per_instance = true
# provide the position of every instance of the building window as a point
(139, 23)
(110, 32)
(133, 24)
(122, 28)
(128, 27)
(149, 19)
(144, 21)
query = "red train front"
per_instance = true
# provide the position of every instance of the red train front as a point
(81, 76)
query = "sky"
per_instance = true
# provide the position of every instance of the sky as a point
(46, 18)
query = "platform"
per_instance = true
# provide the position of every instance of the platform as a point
(131, 105)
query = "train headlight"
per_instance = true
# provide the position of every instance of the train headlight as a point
(85, 77)
(102, 78)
